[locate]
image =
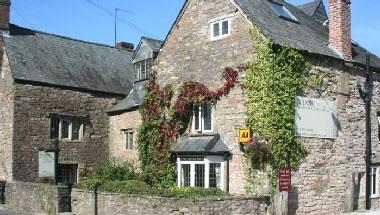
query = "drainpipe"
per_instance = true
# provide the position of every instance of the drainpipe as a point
(368, 100)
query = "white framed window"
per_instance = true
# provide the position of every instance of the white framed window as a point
(220, 28)
(374, 181)
(66, 128)
(202, 121)
(143, 69)
(128, 139)
(201, 171)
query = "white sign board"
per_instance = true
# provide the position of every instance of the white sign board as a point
(46, 164)
(316, 118)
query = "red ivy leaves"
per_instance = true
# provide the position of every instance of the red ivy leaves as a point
(156, 109)
(195, 92)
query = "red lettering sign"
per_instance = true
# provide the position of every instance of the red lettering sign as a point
(285, 180)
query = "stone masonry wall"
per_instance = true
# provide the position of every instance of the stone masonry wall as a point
(33, 104)
(190, 54)
(118, 123)
(37, 198)
(324, 183)
(6, 117)
(118, 204)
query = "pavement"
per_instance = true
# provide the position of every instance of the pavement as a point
(7, 212)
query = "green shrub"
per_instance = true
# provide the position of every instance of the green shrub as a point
(115, 170)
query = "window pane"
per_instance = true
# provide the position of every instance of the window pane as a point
(374, 176)
(185, 175)
(207, 117)
(65, 129)
(225, 27)
(196, 119)
(67, 173)
(130, 140)
(76, 130)
(143, 69)
(149, 67)
(137, 71)
(215, 175)
(199, 175)
(216, 30)
(54, 127)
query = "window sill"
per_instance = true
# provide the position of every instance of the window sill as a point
(199, 134)
(219, 38)
(375, 197)
(66, 140)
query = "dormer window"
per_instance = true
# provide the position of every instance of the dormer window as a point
(143, 69)
(283, 12)
(220, 28)
(202, 119)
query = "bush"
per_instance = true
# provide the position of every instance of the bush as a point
(121, 177)
(115, 170)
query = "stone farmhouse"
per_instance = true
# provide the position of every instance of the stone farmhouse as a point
(208, 36)
(76, 102)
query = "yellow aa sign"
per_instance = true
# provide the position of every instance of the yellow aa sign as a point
(245, 135)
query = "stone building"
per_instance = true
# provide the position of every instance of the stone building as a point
(54, 96)
(208, 36)
(125, 117)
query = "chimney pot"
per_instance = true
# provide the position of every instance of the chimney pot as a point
(4, 14)
(340, 27)
(125, 46)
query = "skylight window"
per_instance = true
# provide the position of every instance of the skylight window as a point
(283, 12)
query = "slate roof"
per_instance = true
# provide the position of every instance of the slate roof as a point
(200, 145)
(315, 9)
(154, 44)
(133, 100)
(307, 35)
(60, 61)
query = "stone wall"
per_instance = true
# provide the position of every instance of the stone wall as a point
(118, 123)
(37, 198)
(118, 204)
(34, 104)
(6, 116)
(325, 181)
(190, 54)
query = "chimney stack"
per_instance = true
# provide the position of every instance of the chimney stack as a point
(125, 46)
(5, 6)
(340, 27)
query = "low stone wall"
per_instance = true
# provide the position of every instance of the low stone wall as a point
(37, 198)
(83, 203)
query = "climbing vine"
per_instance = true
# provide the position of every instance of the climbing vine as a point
(163, 121)
(272, 82)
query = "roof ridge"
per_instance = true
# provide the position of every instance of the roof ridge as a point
(149, 38)
(70, 38)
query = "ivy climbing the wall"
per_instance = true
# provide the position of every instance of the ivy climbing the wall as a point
(165, 116)
(272, 82)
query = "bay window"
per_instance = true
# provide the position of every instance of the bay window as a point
(204, 172)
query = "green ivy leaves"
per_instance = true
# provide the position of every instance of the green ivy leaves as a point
(272, 82)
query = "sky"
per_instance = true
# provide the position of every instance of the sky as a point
(93, 20)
